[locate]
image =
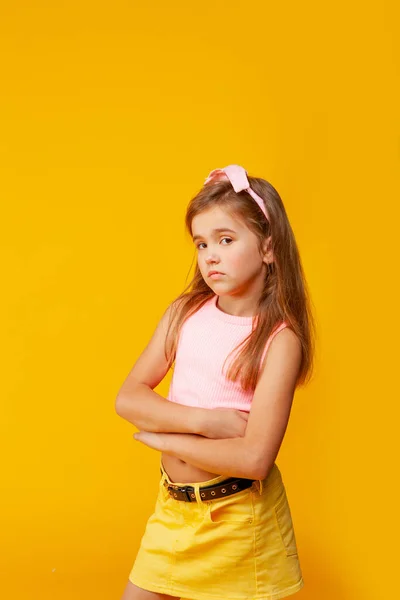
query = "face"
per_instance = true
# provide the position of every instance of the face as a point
(225, 244)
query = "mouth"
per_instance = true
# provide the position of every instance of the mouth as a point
(215, 274)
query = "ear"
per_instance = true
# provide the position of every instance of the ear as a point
(268, 255)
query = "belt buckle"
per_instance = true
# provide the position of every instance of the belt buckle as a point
(186, 489)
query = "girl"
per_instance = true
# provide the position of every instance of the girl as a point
(221, 526)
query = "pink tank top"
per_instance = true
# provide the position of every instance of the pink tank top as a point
(206, 339)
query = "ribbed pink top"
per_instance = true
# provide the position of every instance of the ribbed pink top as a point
(206, 339)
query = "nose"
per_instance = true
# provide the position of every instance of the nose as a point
(212, 258)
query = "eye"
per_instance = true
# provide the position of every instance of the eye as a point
(224, 238)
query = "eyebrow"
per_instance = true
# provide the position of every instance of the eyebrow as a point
(218, 230)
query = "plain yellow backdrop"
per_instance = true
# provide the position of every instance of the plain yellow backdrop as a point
(112, 114)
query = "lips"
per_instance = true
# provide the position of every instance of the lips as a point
(213, 273)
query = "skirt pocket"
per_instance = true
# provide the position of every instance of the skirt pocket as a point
(236, 508)
(285, 524)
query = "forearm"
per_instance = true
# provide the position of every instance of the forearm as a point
(232, 457)
(149, 411)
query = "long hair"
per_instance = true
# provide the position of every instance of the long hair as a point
(284, 297)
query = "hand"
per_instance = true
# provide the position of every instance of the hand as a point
(151, 439)
(222, 423)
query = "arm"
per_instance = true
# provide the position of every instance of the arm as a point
(137, 403)
(147, 410)
(151, 412)
(253, 455)
(230, 457)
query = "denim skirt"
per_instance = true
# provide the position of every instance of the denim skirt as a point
(238, 547)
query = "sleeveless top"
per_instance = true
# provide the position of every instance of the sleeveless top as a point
(206, 338)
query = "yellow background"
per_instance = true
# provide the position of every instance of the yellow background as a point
(112, 114)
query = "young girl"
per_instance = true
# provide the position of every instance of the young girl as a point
(221, 527)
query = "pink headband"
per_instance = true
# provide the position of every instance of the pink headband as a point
(238, 178)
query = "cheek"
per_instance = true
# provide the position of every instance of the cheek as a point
(246, 261)
(237, 262)
(240, 259)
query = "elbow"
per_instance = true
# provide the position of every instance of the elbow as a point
(255, 467)
(259, 462)
(256, 472)
(259, 466)
(119, 405)
(126, 409)
(124, 400)
(261, 469)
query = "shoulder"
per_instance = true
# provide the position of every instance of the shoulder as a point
(174, 307)
(178, 312)
(281, 330)
(285, 339)
(284, 351)
(189, 306)
(287, 336)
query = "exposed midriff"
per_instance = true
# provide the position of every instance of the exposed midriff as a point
(180, 471)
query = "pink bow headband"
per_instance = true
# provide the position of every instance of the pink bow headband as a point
(238, 178)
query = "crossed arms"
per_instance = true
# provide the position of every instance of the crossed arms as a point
(191, 433)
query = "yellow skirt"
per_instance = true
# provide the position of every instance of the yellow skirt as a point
(241, 546)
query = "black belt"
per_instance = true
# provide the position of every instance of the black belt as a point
(231, 485)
